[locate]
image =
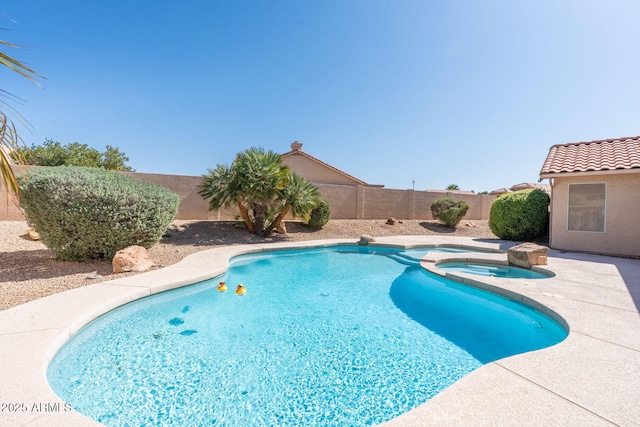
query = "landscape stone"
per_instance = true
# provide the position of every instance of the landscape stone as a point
(132, 258)
(365, 239)
(527, 254)
(33, 234)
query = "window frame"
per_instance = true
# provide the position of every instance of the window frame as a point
(604, 208)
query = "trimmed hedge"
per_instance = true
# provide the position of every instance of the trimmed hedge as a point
(84, 213)
(519, 216)
(449, 211)
(319, 215)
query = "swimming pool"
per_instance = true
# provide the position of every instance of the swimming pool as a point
(331, 336)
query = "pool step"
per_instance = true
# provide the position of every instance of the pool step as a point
(402, 258)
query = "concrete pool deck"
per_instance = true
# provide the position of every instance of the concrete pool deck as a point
(590, 379)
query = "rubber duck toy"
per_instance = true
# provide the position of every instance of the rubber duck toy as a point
(222, 287)
(241, 290)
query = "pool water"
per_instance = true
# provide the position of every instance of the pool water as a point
(341, 336)
(493, 270)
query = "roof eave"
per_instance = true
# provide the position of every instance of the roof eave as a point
(589, 173)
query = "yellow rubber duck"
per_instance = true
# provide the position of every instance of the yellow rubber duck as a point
(241, 290)
(222, 287)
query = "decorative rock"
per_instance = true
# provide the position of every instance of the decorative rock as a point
(391, 221)
(527, 254)
(94, 276)
(33, 234)
(365, 239)
(132, 258)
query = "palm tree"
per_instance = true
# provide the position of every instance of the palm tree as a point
(260, 175)
(9, 138)
(220, 187)
(262, 187)
(300, 197)
(9, 141)
(253, 183)
(453, 187)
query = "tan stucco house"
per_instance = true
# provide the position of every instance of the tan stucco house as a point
(595, 196)
(315, 170)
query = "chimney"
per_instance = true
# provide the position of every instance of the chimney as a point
(296, 146)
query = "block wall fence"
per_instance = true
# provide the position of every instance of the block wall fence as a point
(346, 201)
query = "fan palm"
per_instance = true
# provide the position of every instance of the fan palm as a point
(9, 138)
(253, 183)
(220, 187)
(261, 175)
(300, 197)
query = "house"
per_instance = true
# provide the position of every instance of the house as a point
(595, 196)
(315, 170)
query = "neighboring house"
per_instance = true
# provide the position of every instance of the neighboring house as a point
(315, 170)
(595, 196)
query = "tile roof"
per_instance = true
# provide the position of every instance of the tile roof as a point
(593, 156)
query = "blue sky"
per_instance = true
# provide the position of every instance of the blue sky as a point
(394, 92)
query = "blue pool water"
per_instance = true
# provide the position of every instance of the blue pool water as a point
(341, 336)
(493, 270)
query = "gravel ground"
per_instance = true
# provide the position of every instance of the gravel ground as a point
(29, 271)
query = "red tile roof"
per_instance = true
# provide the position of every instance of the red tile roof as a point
(593, 156)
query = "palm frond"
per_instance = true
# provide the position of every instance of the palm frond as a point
(9, 138)
(17, 66)
(9, 141)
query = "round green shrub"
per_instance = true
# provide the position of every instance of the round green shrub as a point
(84, 213)
(449, 211)
(319, 215)
(519, 216)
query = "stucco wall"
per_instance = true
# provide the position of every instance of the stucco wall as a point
(346, 201)
(9, 211)
(192, 206)
(622, 231)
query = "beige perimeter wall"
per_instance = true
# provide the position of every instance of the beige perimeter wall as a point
(346, 201)
(622, 227)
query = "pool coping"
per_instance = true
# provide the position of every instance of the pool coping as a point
(588, 379)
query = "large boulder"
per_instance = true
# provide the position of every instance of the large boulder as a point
(527, 254)
(131, 258)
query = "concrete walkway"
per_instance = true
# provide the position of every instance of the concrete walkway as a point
(590, 379)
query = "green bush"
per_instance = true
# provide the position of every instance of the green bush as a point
(449, 211)
(84, 213)
(319, 215)
(523, 215)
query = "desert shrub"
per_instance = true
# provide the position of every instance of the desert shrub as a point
(319, 215)
(449, 211)
(523, 215)
(87, 213)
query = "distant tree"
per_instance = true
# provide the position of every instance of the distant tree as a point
(452, 187)
(52, 153)
(9, 138)
(113, 159)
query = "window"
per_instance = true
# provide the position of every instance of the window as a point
(587, 207)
